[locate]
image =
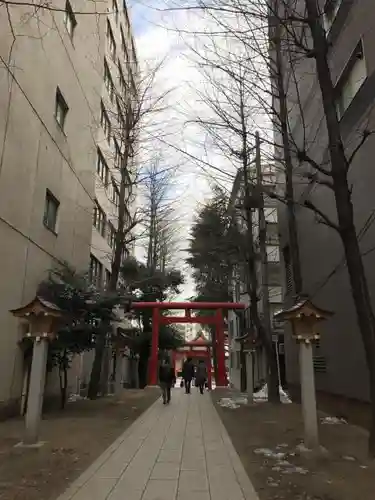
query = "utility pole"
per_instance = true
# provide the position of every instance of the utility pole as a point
(262, 243)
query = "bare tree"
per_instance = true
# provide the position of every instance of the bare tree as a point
(299, 46)
(136, 118)
(229, 123)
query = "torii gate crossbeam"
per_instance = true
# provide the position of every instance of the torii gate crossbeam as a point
(216, 320)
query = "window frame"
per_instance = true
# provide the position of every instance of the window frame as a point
(122, 80)
(115, 10)
(101, 165)
(99, 219)
(331, 9)
(108, 81)
(115, 193)
(344, 79)
(60, 104)
(111, 42)
(95, 263)
(120, 116)
(50, 197)
(70, 19)
(111, 234)
(105, 123)
(118, 155)
(106, 277)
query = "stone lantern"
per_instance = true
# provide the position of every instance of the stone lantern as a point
(249, 343)
(42, 318)
(305, 319)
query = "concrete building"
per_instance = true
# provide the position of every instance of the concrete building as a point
(339, 360)
(237, 327)
(52, 125)
(119, 70)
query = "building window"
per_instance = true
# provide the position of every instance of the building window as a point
(99, 221)
(331, 9)
(70, 19)
(273, 254)
(111, 41)
(117, 155)
(51, 208)
(123, 46)
(125, 254)
(272, 234)
(115, 194)
(120, 116)
(351, 80)
(102, 168)
(108, 82)
(105, 123)
(96, 270)
(115, 9)
(107, 278)
(111, 235)
(122, 79)
(61, 109)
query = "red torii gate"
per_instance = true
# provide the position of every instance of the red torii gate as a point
(216, 320)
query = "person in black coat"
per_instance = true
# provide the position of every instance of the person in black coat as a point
(167, 378)
(188, 374)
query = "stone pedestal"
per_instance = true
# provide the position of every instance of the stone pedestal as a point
(308, 395)
(36, 391)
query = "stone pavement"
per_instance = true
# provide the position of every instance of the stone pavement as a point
(175, 452)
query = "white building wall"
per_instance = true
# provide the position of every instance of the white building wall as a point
(37, 56)
(126, 60)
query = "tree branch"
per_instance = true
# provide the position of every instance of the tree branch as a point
(324, 219)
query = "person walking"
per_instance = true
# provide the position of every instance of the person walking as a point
(201, 375)
(188, 374)
(167, 378)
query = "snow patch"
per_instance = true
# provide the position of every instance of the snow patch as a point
(75, 397)
(266, 452)
(228, 403)
(282, 465)
(333, 420)
(262, 395)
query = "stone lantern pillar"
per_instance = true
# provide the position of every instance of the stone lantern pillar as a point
(42, 318)
(249, 344)
(304, 318)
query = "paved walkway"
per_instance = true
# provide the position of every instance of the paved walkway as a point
(176, 452)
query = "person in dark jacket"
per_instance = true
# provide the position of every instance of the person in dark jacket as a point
(188, 374)
(167, 378)
(201, 375)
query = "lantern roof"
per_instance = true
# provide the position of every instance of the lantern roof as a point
(303, 307)
(38, 306)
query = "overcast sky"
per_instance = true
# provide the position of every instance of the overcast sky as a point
(157, 37)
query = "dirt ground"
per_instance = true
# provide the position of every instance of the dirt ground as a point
(74, 439)
(267, 438)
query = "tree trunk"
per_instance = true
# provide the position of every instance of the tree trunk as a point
(142, 371)
(63, 380)
(102, 358)
(265, 337)
(344, 206)
(214, 353)
(289, 189)
(243, 373)
(96, 367)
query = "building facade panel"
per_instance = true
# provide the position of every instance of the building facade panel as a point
(340, 365)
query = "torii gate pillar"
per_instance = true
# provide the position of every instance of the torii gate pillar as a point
(220, 350)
